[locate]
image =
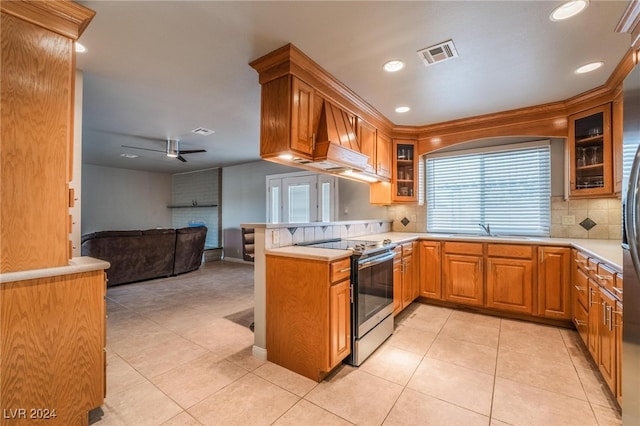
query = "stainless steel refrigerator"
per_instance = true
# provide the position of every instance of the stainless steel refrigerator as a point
(631, 254)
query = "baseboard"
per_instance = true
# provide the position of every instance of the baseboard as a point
(258, 352)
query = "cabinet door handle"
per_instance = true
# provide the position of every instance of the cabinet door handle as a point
(580, 322)
(591, 293)
(604, 277)
(579, 288)
(604, 313)
(345, 270)
(617, 290)
(580, 261)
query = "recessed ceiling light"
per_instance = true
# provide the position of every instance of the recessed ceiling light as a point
(129, 155)
(568, 10)
(393, 65)
(403, 109)
(80, 48)
(589, 67)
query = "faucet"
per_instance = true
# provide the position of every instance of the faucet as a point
(487, 228)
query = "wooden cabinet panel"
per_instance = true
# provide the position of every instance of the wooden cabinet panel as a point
(581, 320)
(339, 322)
(397, 285)
(607, 339)
(53, 340)
(510, 250)
(408, 289)
(581, 287)
(510, 284)
(306, 316)
(340, 270)
(366, 134)
(36, 118)
(405, 169)
(463, 279)
(594, 320)
(383, 156)
(302, 116)
(554, 291)
(617, 318)
(430, 270)
(590, 153)
(463, 248)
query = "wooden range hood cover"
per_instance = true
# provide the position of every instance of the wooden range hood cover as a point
(336, 144)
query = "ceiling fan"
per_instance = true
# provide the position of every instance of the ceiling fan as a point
(172, 148)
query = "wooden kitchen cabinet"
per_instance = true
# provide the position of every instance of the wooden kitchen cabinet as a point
(590, 153)
(554, 280)
(340, 321)
(405, 287)
(607, 338)
(405, 168)
(290, 112)
(37, 109)
(430, 269)
(462, 272)
(617, 323)
(510, 277)
(377, 147)
(308, 314)
(593, 344)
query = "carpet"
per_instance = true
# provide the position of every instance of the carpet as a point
(244, 318)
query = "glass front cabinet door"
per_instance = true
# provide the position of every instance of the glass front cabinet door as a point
(590, 152)
(405, 171)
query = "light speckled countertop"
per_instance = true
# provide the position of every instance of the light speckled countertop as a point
(76, 266)
(608, 251)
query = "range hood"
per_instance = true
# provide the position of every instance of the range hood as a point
(337, 148)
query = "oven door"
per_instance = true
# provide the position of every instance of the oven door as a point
(373, 292)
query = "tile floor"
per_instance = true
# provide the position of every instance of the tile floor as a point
(174, 359)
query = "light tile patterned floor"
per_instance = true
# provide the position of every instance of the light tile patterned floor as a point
(174, 359)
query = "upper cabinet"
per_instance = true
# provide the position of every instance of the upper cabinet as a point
(590, 153)
(405, 171)
(290, 111)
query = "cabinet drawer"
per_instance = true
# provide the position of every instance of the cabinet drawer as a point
(582, 261)
(592, 268)
(407, 249)
(605, 277)
(510, 250)
(581, 287)
(340, 270)
(463, 248)
(617, 289)
(581, 321)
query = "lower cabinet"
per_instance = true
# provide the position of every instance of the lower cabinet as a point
(308, 314)
(339, 321)
(405, 286)
(597, 315)
(510, 278)
(554, 275)
(430, 282)
(462, 272)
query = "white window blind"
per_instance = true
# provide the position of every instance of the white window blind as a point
(507, 188)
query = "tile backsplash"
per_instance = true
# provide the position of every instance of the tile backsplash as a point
(290, 234)
(606, 213)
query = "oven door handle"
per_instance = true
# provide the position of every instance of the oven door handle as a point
(375, 260)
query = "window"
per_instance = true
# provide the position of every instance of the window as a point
(301, 198)
(507, 188)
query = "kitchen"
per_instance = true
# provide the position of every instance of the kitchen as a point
(385, 193)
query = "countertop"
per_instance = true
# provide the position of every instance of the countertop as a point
(608, 251)
(76, 265)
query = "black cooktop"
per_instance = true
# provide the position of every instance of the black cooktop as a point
(358, 246)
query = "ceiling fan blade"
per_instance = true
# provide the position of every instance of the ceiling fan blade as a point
(181, 158)
(192, 151)
(149, 138)
(145, 149)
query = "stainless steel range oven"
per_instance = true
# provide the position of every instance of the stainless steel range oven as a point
(372, 293)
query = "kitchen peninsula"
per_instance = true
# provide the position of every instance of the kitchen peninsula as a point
(527, 278)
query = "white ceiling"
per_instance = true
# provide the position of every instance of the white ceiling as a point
(162, 68)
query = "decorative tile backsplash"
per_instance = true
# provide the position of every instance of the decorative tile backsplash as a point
(606, 213)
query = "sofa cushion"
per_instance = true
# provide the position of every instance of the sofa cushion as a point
(189, 248)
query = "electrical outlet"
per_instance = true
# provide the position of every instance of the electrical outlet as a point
(275, 237)
(568, 220)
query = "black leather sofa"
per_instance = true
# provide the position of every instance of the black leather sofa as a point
(143, 255)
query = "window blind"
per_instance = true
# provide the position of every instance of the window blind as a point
(508, 188)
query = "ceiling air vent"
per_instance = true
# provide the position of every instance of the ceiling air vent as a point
(438, 53)
(202, 131)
